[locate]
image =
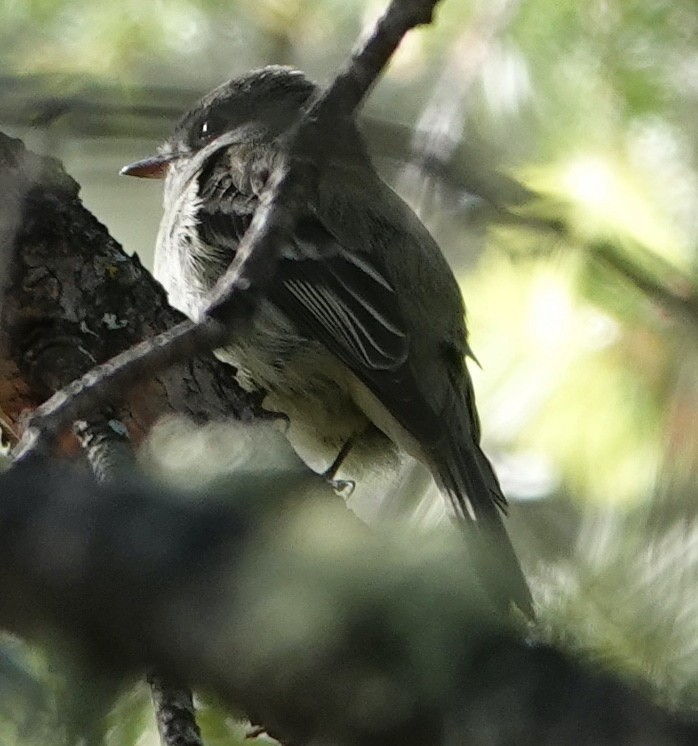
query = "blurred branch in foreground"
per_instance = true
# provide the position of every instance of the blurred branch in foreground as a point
(295, 612)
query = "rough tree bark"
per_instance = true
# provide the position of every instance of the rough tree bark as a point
(73, 299)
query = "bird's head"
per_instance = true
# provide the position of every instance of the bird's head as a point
(256, 107)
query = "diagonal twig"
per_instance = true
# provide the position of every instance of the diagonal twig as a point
(235, 299)
(103, 382)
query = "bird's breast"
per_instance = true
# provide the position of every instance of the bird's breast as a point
(300, 377)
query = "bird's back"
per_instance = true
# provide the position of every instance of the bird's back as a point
(368, 217)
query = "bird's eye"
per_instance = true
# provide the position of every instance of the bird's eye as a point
(204, 131)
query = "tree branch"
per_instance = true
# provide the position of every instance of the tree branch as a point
(72, 298)
(292, 611)
(111, 457)
(174, 712)
(366, 63)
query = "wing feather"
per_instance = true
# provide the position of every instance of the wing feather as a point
(342, 300)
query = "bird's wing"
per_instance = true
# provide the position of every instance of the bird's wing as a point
(339, 298)
(344, 301)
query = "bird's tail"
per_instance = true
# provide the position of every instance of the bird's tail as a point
(468, 480)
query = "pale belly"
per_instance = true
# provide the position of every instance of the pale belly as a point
(303, 381)
(325, 404)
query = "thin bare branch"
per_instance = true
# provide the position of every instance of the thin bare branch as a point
(235, 298)
(111, 379)
(366, 63)
(175, 713)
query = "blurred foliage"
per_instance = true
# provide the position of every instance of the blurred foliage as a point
(46, 699)
(555, 157)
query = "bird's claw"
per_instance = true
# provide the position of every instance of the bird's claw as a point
(343, 487)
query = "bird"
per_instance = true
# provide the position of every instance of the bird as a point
(361, 336)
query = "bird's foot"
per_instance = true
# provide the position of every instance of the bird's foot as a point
(343, 487)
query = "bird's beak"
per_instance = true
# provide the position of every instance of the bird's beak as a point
(148, 168)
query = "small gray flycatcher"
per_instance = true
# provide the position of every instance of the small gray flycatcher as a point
(362, 329)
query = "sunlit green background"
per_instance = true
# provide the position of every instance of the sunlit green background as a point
(551, 146)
